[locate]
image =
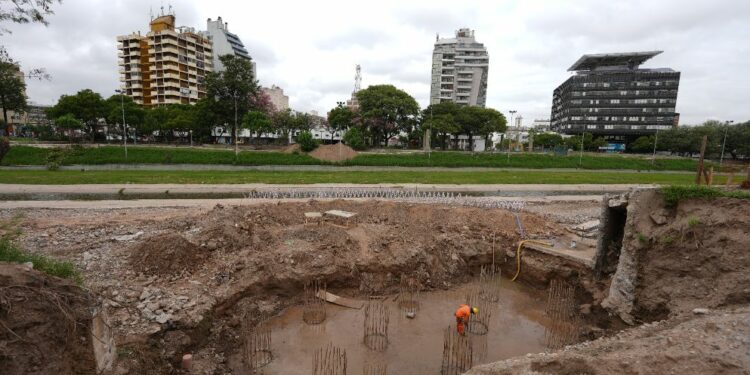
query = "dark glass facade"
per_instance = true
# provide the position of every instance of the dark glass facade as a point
(618, 102)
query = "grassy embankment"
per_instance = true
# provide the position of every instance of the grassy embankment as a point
(354, 177)
(26, 155)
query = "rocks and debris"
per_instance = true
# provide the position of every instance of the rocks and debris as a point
(128, 237)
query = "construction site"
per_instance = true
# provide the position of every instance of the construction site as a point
(368, 281)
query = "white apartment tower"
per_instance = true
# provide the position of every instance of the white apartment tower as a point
(226, 43)
(168, 65)
(459, 70)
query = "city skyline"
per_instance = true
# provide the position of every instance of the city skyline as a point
(531, 44)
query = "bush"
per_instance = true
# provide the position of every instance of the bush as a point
(355, 139)
(306, 141)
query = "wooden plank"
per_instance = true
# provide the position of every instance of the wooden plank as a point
(341, 301)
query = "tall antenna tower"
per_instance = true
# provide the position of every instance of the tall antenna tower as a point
(358, 79)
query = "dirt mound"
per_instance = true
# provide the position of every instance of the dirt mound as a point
(167, 254)
(45, 324)
(334, 153)
(291, 149)
(708, 344)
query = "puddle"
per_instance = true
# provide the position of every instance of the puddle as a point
(415, 345)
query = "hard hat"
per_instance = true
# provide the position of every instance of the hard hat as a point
(474, 310)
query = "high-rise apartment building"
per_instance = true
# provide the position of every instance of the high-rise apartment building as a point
(278, 99)
(166, 66)
(225, 43)
(459, 70)
(611, 96)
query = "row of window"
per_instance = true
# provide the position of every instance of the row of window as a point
(619, 127)
(637, 84)
(614, 118)
(624, 101)
(623, 92)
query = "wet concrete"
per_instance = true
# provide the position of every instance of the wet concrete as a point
(415, 345)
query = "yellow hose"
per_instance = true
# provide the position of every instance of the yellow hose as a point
(518, 254)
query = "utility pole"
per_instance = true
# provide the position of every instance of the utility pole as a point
(512, 112)
(656, 137)
(124, 128)
(724, 144)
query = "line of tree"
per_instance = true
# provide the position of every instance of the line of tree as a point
(686, 140)
(386, 111)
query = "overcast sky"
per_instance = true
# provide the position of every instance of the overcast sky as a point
(310, 48)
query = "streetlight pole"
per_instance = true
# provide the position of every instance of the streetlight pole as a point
(236, 148)
(124, 128)
(724, 144)
(512, 112)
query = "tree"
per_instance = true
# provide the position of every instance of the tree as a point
(340, 118)
(26, 11)
(440, 118)
(257, 122)
(643, 144)
(354, 138)
(387, 110)
(738, 140)
(232, 90)
(134, 113)
(548, 140)
(86, 106)
(261, 102)
(69, 123)
(12, 88)
(306, 141)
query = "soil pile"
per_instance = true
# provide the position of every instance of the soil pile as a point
(167, 254)
(333, 153)
(45, 324)
(291, 149)
(705, 344)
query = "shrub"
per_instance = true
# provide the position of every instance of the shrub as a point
(355, 139)
(306, 141)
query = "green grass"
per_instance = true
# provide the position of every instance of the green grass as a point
(27, 155)
(674, 194)
(13, 254)
(356, 177)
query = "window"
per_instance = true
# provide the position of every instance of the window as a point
(623, 93)
(615, 101)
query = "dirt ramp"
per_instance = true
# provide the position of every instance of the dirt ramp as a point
(45, 324)
(703, 344)
(166, 255)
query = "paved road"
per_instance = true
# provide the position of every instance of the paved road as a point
(518, 189)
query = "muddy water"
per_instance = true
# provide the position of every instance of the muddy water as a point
(415, 345)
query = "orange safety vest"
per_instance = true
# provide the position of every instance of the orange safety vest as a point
(463, 312)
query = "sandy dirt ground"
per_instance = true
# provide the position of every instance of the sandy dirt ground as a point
(167, 273)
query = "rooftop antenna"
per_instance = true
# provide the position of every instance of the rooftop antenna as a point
(151, 12)
(437, 37)
(358, 79)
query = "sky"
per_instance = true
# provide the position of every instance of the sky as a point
(310, 48)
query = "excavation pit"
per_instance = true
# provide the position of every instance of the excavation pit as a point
(415, 346)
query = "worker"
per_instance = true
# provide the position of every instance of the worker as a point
(462, 317)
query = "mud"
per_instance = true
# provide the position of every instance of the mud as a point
(415, 345)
